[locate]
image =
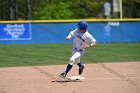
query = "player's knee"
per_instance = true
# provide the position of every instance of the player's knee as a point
(77, 62)
(71, 63)
(72, 60)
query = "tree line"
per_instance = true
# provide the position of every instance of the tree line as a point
(62, 9)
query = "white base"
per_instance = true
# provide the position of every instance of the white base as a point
(75, 78)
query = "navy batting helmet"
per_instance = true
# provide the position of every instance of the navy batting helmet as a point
(82, 25)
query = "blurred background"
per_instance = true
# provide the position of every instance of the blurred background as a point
(68, 9)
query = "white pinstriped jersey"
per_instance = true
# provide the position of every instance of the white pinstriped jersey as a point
(81, 38)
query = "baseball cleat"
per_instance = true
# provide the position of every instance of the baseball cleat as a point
(62, 75)
(81, 70)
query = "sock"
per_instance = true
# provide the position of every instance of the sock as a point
(68, 68)
(80, 65)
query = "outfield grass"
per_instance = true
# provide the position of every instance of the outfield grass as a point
(49, 54)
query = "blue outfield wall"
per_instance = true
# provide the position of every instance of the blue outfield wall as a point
(46, 32)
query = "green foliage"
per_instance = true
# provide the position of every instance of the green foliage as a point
(73, 9)
(65, 9)
(68, 9)
(86, 8)
(131, 8)
(55, 11)
(4, 14)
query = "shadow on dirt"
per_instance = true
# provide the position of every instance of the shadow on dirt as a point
(61, 81)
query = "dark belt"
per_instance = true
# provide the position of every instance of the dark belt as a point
(78, 49)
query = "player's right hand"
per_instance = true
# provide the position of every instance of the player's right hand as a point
(67, 38)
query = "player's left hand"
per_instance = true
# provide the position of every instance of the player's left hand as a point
(86, 45)
(91, 45)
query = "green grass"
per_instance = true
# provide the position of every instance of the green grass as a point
(49, 54)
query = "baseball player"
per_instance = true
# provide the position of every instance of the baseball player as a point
(82, 40)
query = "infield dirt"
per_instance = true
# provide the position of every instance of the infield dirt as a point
(121, 77)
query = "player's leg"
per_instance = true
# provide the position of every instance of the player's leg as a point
(80, 65)
(63, 75)
(70, 64)
(72, 61)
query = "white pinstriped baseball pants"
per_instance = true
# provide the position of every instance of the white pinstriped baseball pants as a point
(76, 55)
